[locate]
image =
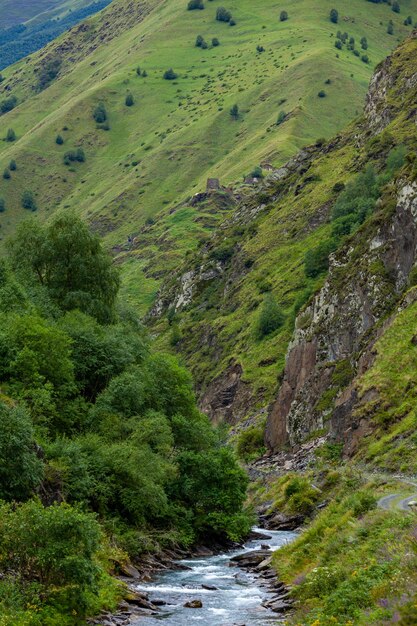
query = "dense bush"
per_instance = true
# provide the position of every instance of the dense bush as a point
(28, 201)
(250, 443)
(223, 15)
(170, 74)
(195, 4)
(270, 317)
(100, 113)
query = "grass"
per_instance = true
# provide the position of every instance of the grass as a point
(180, 132)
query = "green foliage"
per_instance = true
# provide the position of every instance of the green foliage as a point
(223, 15)
(270, 317)
(12, 165)
(10, 135)
(55, 549)
(2, 205)
(59, 140)
(215, 42)
(28, 201)
(390, 28)
(20, 468)
(65, 258)
(129, 101)
(100, 113)
(234, 112)
(283, 16)
(6, 174)
(170, 74)
(195, 4)
(8, 104)
(250, 443)
(334, 16)
(49, 72)
(316, 260)
(282, 116)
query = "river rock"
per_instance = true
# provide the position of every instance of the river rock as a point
(193, 604)
(250, 559)
(209, 587)
(129, 570)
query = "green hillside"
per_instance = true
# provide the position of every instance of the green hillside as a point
(179, 132)
(14, 12)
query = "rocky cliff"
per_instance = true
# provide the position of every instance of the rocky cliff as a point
(335, 334)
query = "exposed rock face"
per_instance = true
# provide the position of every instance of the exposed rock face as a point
(226, 398)
(335, 334)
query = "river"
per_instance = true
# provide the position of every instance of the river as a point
(237, 599)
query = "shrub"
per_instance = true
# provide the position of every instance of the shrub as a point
(55, 546)
(281, 118)
(260, 48)
(8, 104)
(270, 317)
(199, 41)
(11, 135)
(28, 201)
(129, 101)
(223, 15)
(334, 16)
(364, 43)
(195, 4)
(6, 174)
(49, 72)
(250, 443)
(144, 74)
(20, 469)
(365, 58)
(234, 111)
(2, 205)
(170, 74)
(12, 165)
(138, 71)
(322, 94)
(215, 42)
(283, 16)
(338, 44)
(100, 113)
(396, 7)
(59, 140)
(390, 28)
(316, 261)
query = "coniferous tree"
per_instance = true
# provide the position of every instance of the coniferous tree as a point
(59, 140)
(28, 201)
(13, 165)
(129, 100)
(390, 28)
(283, 16)
(396, 7)
(334, 16)
(6, 174)
(234, 111)
(11, 135)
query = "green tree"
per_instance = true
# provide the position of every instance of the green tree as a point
(390, 28)
(223, 15)
(234, 112)
(334, 16)
(138, 71)
(11, 135)
(281, 118)
(195, 4)
(67, 259)
(270, 317)
(20, 469)
(144, 74)
(56, 546)
(170, 74)
(59, 140)
(199, 41)
(28, 201)
(215, 42)
(129, 100)
(316, 261)
(2, 205)
(396, 7)
(283, 17)
(100, 113)
(12, 165)
(6, 174)
(364, 43)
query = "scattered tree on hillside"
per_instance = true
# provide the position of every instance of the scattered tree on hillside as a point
(365, 58)
(234, 111)
(390, 28)
(2, 205)
(281, 118)
(322, 93)
(59, 140)
(138, 71)
(338, 44)
(129, 101)
(11, 135)
(270, 318)
(28, 201)
(66, 258)
(283, 16)
(6, 174)
(8, 104)
(223, 15)
(195, 4)
(100, 113)
(215, 42)
(144, 74)
(364, 43)
(396, 7)
(260, 48)
(232, 22)
(13, 165)
(170, 74)
(199, 41)
(334, 16)
(49, 72)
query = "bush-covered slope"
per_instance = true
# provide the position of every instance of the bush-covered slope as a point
(148, 156)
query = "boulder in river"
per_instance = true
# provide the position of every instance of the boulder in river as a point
(209, 587)
(194, 604)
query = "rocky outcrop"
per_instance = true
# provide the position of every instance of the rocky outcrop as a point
(335, 333)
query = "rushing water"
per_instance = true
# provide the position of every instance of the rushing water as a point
(237, 599)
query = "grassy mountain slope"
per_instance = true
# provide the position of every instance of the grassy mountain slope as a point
(14, 12)
(179, 132)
